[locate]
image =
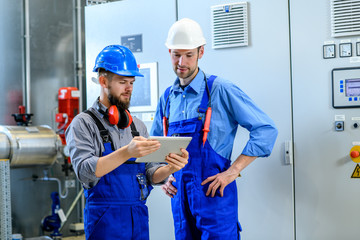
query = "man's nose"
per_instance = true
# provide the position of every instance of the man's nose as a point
(129, 86)
(181, 60)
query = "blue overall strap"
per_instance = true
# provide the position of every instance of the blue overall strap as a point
(134, 132)
(104, 133)
(105, 136)
(205, 100)
(166, 107)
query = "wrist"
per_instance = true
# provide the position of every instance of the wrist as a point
(126, 152)
(169, 169)
(235, 171)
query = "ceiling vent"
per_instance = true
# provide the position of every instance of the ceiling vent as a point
(229, 25)
(345, 18)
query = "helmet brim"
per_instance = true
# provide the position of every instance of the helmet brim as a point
(126, 73)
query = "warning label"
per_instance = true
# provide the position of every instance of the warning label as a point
(356, 173)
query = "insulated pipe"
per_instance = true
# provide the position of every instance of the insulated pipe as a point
(27, 56)
(79, 72)
(78, 67)
(79, 53)
(4, 147)
(28, 146)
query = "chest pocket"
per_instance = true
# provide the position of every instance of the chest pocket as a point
(183, 128)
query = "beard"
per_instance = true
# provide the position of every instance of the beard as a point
(185, 75)
(117, 102)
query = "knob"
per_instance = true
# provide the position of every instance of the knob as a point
(354, 154)
(356, 125)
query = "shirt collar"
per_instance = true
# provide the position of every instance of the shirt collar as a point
(97, 104)
(195, 84)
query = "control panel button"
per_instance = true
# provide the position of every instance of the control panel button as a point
(339, 126)
(354, 154)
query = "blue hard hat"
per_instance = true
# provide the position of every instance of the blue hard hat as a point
(117, 59)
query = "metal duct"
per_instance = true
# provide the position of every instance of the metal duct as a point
(28, 146)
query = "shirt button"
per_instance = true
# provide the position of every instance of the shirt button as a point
(183, 111)
(183, 96)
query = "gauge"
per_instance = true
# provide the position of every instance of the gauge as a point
(358, 49)
(345, 50)
(329, 51)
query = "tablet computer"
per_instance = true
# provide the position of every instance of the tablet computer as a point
(168, 145)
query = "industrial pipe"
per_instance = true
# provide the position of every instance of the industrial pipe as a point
(29, 146)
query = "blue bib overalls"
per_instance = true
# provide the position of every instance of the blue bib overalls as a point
(115, 207)
(197, 216)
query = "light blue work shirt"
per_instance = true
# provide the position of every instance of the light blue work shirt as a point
(230, 107)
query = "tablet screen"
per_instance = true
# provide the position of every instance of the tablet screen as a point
(168, 145)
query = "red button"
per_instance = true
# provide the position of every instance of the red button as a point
(354, 154)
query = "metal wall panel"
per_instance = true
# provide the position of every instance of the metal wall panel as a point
(51, 55)
(11, 59)
(326, 198)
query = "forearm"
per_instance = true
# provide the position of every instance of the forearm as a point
(161, 173)
(240, 163)
(109, 162)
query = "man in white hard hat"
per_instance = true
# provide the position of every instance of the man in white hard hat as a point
(208, 108)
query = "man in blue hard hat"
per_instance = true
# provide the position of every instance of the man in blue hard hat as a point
(104, 142)
(210, 109)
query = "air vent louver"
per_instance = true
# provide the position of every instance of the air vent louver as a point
(229, 25)
(345, 18)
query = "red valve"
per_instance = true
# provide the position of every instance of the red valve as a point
(354, 154)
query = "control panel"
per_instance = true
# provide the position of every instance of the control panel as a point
(346, 87)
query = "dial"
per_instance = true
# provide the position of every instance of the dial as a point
(358, 49)
(345, 49)
(329, 51)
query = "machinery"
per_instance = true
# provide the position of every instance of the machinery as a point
(26, 146)
(68, 108)
(22, 146)
(52, 223)
(68, 98)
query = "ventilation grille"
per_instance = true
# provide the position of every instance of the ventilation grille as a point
(229, 25)
(345, 18)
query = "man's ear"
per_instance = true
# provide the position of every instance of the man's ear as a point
(201, 52)
(103, 81)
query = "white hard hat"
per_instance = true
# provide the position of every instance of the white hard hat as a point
(185, 34)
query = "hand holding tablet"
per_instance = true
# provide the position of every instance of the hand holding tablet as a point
(168, 145)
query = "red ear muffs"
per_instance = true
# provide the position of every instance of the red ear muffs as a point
(127, 120)
(122, 119)
(113, 114)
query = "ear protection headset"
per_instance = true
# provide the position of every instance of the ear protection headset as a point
(116, 116)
